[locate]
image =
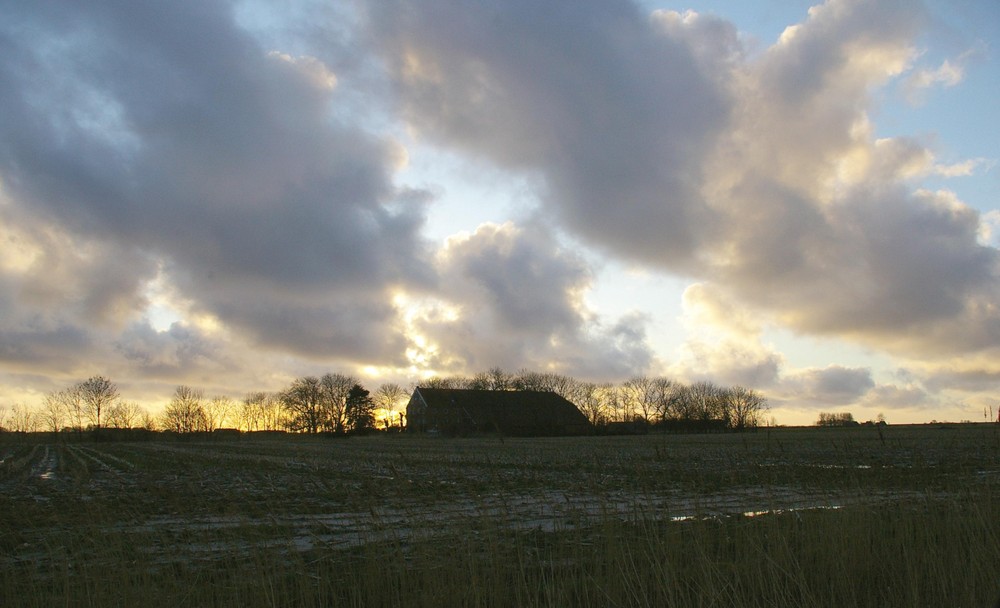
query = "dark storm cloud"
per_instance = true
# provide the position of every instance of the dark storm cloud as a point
(163, 131)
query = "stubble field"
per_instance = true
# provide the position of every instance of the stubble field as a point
(908, 516)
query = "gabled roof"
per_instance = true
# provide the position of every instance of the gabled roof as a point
(456, 411)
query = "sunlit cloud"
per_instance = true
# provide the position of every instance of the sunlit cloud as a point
(950, 73)
(989, 229)
(310, 67)
(194, 194)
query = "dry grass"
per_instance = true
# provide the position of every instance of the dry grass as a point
(848, 518)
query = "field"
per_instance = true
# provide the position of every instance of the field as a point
(909, 516)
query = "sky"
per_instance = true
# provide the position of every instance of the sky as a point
(229, 195)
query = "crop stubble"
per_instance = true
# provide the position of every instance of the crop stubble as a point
(178, 502)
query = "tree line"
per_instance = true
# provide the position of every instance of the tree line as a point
(334, 403)
(340, 404)
(640, 399)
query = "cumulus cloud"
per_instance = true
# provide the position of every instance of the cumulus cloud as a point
(248, 169)
(833, 385)
(511, 297)
(825, 231)
(724, 342)
(729, 363)
(139, 137)
(177, 353)
(989, 229)
(659, 141)
(613, 112)
(894, 397)
(948, 74)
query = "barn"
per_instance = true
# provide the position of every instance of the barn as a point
(513, 413)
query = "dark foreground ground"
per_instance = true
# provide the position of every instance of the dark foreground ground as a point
(308, 521)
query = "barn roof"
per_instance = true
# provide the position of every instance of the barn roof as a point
(508, 412)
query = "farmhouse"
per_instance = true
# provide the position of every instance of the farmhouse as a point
(514, 413)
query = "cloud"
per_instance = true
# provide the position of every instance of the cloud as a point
(948, 74)
(143, 137)
(511, 297)
(659, 140)
(709, 308)
(989, 229)
(247, 169)
(724, 342)
(176, 353)
(728, 363)
(833, 385)
(894, 397)
(612, 111)
(310, 67)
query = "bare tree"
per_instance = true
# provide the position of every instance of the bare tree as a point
(744, 407)
(837, 419)
(275, 416)
(664, 394)
(147, 421)
(638, 393)
(71, 401)
(448, 382)
(389, 397)
(217, 411)
(124, 415)
(500, 380)
(587, 396)
(495, 379)
(23, 420)
(53, 412)
(705, 402)
(260, 411)
(559, 384)
(334, 389)
(114, 418)
(527, 380)
(97, 394)
(478, 382)
(615, 403)
(251, 411)
(304, 402)
(186, 412)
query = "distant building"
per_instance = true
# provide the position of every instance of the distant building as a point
(513, 413)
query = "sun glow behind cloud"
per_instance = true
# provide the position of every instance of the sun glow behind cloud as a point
(423, 355)
(403, 190)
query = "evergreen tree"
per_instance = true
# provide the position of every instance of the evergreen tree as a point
(360, 410)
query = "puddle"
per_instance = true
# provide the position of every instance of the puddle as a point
(546, 512)
(45, 468)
